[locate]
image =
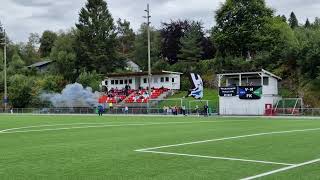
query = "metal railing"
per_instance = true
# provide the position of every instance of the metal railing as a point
(115, 111)
(311, 112)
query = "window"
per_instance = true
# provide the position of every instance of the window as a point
(116, 81)
(130, 81)
(145, 80)
(106, 83)
(155, 80)
(265, 81)
(121, 81)
(126, 81)
(167, 79)
(173, 80)
(112, 82)
(162, 79)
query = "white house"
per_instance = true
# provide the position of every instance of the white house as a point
(247, 92)
(132, 66)
(165, 79)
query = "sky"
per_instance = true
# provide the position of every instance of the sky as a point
(22, 17)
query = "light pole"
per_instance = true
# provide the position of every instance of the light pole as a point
(5, 70)
(149, 50)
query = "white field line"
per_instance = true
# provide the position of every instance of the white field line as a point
(281, 170)
(219, 158)
(51, 125)
(229, 138)
(101, 125)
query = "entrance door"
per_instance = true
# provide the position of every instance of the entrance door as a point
(138, 82)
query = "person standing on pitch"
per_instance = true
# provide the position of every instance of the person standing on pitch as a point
(184, 110)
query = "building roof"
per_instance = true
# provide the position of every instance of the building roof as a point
(251, 72)
(141, 74)
(40, 64)
(132, 64)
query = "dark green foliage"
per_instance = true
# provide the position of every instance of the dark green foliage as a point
(307, 24)
(191, 49)
(90, 79)
(2, 35)
(171, 34)
(28, 51)
(64, 56)
(96, 38)
(240, 25)
(284, 18)
(52, 83)
(125, 38)
(20, 91)
(16, 65)
(293, 21)
(46, 43)
(141, 47)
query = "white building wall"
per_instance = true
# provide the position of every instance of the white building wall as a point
(138, 81)
(272, 88)
(167, 81)
(235, 106)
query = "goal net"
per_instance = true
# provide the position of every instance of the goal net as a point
(289, 106)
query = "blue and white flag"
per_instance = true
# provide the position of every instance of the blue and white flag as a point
(196, 90)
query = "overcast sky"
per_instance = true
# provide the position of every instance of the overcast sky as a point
(22, 17)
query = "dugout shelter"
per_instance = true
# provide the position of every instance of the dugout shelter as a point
(247, 92)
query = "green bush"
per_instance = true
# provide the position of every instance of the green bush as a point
(90, 79)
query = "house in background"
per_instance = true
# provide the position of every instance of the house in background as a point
(41, 66)
(133, 67)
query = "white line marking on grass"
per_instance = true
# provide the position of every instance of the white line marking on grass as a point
(281, 170)
(14, 130)
(219, 158)
(229, 138)
(49, 125)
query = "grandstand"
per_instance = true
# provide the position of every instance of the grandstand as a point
(130, 89)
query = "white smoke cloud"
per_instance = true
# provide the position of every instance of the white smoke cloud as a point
(73, 95)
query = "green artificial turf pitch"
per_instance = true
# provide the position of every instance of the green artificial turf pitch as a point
(160, 148)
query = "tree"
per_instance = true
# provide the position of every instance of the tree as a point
(64, 55)
(20, 90)
(307, 24)
(239, 28)
(141, 47)
(28, 51)
(209, 51)
(293, 21)
(90, 79)
(191, 49)
(316, 22)
(46, 43)
(171, 33)
(16, 65)
(96, 38)
(284, 18)
(2, 35)
(125, 37)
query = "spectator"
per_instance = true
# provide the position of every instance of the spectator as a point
(111, 106)
(184, 110)
(126, 110)
(197, 110)
(206, 108)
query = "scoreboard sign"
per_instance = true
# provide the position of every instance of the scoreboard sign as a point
(250, 92)
(227, 91)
